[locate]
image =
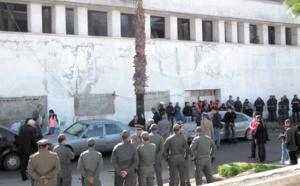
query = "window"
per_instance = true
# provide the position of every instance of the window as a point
(253, 34)
(288, 36)
(127, 25)
(183, 29)
(77, 129)
(112, 129)
(13, 17)
(207, 30)
(46, 16)
(157, 27)
(70, 21)
(94, 130)
(271, 31)
(240, 118)
(97, 23)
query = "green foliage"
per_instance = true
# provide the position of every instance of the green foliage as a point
(235, 168)
(293, 7)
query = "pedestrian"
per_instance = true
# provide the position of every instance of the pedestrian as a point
(124, 160)
(38, 113)
(287, 101)
(64, 177)
(271, 103)
(238, 105)
(261, 138)
(282, 111)
(156, 115)
(198, 119)
(170, 113)
(207, 126)
(159, 143)
(149, 123)
(295, 108)
(164, 127)
(216, 120)
(177, 108)
(43, 166)
(247, 108)
(161, 109)
(252, 127)
(259, 106)
(230, 102)
(194, 111)
(54, 122)
(136, 138)
(284, 150)
(180, 117)
(177, 151)
(90, 164)
(134, 121)
(229, 118)
(223, 107)
(290, 142)
(146, 153)
(202, 149)
(187, 112)
(27, 145)
(38, 129)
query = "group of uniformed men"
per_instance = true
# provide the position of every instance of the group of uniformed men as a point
(137, 158)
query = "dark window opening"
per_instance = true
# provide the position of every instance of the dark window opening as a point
(70, 21)
(288, 36)
(271, 31)
(13, 17)
(254, 38)
(207, 30)
(46, 16)
(97, 23)
(183, 29)
(157, 27)
(127, 25)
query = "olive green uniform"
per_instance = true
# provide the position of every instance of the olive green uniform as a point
(146, 153)
(177, 151)
(43, 163)
(159, 143)
(124, 158)
(90, 164)
(136, 140)
(64, 177)
(203, 148)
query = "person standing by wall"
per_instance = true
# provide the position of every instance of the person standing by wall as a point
(161, 109)
(229, 118)
(282, 111)
(54, 122)
(170, 113)
(295, 108)
(261, 138)
(38, 113)
(259, 106)
(187, 112)
(290, 141)
(238, 105)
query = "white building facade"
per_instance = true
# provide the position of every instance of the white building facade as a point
(76, 56)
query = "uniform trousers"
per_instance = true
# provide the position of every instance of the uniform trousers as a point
(177, 164)
(129, 180)
(64, 178)
(203, 166)
(158, 173)
(146, 176)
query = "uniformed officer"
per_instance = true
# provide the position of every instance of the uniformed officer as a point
(202, 149)
(124, 160)
(90, 164)
(177, 150)
(64, 177)
(44, 165)
(146, 153)
(136, 138)
(159, 143)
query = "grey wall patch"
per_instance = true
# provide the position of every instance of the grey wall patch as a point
(152, 99)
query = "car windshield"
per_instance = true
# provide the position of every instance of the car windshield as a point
(76, 129)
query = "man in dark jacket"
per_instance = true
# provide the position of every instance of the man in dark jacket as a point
(171, 113)
(229, 118)
(27, 145)
(161, 109)
(259, 105)
(216, 120)
(261, 137)
(133, 122)
(187, 112)
(282, 111)
(295, 108)
(290, 141)
(238, 105)
(272, 109)
(156, 116)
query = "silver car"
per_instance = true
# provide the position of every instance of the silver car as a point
(106, 133)
(242, 130)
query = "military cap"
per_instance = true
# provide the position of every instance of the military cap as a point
(154, 126)
(199, 129)
(176, 127)
(91, 141)
(138, 127)
(42, 142)
(61, 137)
(125, 134)
(145, 135)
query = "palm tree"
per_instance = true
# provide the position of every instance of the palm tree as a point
(140, 62)
(293, 7)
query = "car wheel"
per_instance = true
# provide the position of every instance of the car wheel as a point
(12, 161)
(248, 135)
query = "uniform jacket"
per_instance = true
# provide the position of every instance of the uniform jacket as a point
(202, 147)
(290, 138)
(176, 146)
(43, 163)
(146, 153)
(27, 140)
(207, 128)
(261, 133)
(159, 144)
(136, 140)
(65, 156)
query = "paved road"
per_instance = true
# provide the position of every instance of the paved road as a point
(226, 154)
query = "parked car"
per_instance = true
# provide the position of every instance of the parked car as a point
(241, 127)
(106, 133)
(9, 157)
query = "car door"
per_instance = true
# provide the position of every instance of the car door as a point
(2, 143)
(96, 132)
(112, 135)
(241, 125)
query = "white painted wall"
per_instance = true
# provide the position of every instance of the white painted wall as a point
(95, 65)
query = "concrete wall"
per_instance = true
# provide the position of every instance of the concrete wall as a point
(61, 67)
